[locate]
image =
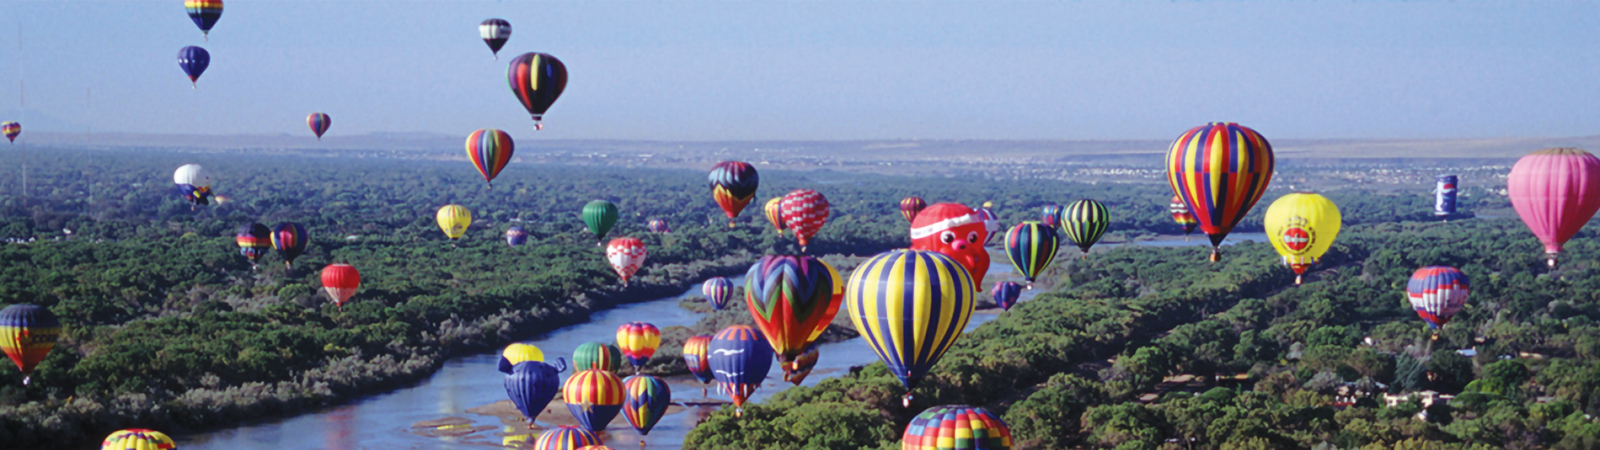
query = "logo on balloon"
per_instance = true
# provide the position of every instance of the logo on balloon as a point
(1296, 238)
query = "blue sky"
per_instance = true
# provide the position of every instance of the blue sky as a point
(820, 70)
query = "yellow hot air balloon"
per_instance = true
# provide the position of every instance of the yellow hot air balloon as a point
(1302, 226)
(454, 219)
(517, 353)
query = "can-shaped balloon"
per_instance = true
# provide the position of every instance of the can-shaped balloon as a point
(1444, 195)
(27, 334)
(718, 291)
(1555, 191)
(594, 397)
(645, 400)
(910, 306)
(638, 342)
(1437, 293)
(956, 427)
(1302, 226)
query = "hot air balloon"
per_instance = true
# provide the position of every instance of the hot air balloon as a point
(694, 356)
(193, 60)
(516, 236)
(597, 356)
(956, 427)
(956, 231)
(11, 130)
(254, 240)
(658, 226)
(520, 353)
(566, 438)
(204, 13)
(792, 299)
(991, 223)
(1556, 191)
(911, 306)
(289, 239)
(531, 385)
(595, 447)
(537, 79)
(319, 123)
(138, 438)
(910, 206)
(1050, 215)
(1437, 293)
(740, 359)
(626, 255)
(1302, 226)
(1220, 170)
(638, 342)
(1031, 247)
(341, 282)
(489, 150)
(1005, 294)
(733, 184)
(1444, 195)
(774, 212)
(1180, 214)
(645, 399)
(600, 216)
(27, 333)
(594, 397)
(495, 32)
(1085, 221)
(802, 365)
(805, 211)
(194, 182)
(454, 220)
(718, 291)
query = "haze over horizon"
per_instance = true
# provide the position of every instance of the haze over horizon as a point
(693, 71)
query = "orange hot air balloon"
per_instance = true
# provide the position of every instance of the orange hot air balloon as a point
(638, 341)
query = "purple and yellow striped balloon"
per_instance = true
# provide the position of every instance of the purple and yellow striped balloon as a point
(566, 438)
(11, 130)
(490, 150)
(594, 397)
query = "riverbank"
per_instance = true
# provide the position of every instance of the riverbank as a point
(77, 422)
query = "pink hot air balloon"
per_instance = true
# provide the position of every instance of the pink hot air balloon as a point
(1556, 191)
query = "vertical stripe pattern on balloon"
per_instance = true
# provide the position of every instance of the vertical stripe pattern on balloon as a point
(910, 306)
(566, 438)
(1031, 246)
(956, 427)
(1085, 221)
(1220, 170)
(645, 400)
(594, 397)
(27, 334)
(490, 150)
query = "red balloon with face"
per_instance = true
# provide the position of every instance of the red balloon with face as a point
(956, 231)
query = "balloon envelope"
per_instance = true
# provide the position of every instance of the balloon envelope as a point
(11, 130)
(566, 438)
(910, 206)
(695, 356)
(740, 359)
(645, 400)
(597, 356)
(626, 255)
(516, 236)
(1555, 191)
(1085, 221)
(792, 299)
(638, 342)
(594, 397)
(718, 291)
(1302, 226)
(733, 185)
(518, 353)
(1031, 246)
(27, 334)
(137, 439)
(531, 385)
(599, 216)
(204, 13)
(194, 61)
(1437, 293)
(289, 239)
(910, 306)
(495, 32)
(774, 212)
(255, 241)
(341, 282)
(319, 123)
(1005, 294)
(956, 427)
(454, 220)
(537, 80)
(489, 150)
(1220, 169)
(805, 212)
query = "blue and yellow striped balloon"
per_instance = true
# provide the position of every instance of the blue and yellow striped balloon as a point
(1031, 247)
(594, 397)
(1085, 221)
(1220, 170)
(204, 13)
(911, 306)
(645, 400)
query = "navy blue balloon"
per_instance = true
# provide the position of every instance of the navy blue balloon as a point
(194, 61)
(532, 384)
(740, 359)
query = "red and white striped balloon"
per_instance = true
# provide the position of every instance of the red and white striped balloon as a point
(626, 255)
(805, 212)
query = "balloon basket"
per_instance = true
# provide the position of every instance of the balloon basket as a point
(1215, 256)
(1296, 280)
(738, 412)
(905, 401)
(26, 379)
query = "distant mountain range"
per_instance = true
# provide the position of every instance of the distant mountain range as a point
(431, 145)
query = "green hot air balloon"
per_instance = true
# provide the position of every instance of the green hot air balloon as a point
(1085, 221)
(596, 356)
(600, 216)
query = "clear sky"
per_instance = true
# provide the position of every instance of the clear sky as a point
(820, 70)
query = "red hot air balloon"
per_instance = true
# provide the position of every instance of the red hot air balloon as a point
(537, 79)
(626, 255)
(341, 282)
(805, 211)
(1556, 191)
(910, 206)
(1220, 170)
